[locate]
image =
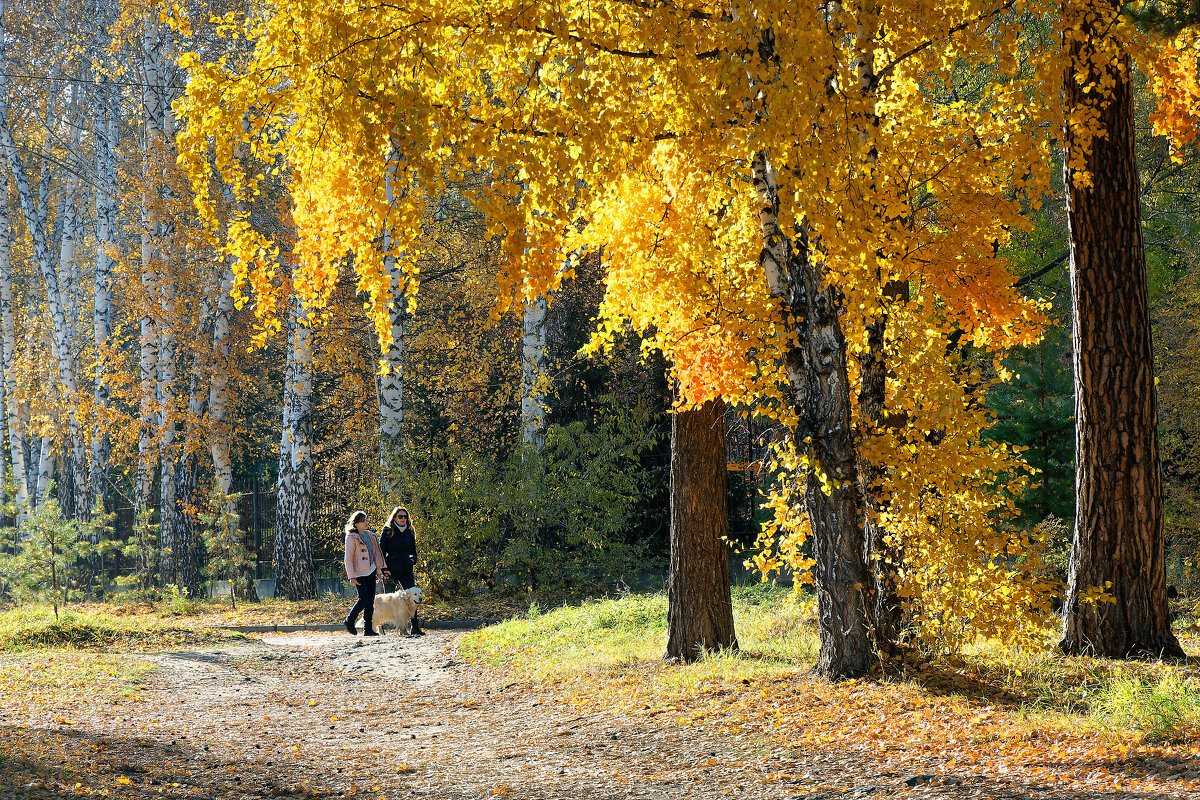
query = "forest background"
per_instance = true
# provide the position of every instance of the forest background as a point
(177, 369)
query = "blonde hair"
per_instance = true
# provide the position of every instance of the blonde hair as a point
(353, 519)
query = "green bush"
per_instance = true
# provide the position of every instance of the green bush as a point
(554, 523)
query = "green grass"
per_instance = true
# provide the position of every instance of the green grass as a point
(1163, 712)
(34, 626)
(619, 642)
(603, 636)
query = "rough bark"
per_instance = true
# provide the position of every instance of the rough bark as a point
(816, 369)
(1118, 544)
(883, 553)
(190, 556)
(294, 578)
(699, 607)
(168, 494)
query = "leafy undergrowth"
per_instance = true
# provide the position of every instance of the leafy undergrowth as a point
(1079, 722)
(323, 610)
(35, 626)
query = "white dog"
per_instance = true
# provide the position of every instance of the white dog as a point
(397, 608)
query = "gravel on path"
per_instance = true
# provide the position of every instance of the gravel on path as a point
(313, 714)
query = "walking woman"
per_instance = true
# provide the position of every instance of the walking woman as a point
(364, 561)
(399, 543)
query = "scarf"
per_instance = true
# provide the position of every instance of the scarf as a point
(366, 540)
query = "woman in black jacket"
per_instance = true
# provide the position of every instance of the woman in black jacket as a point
(399, 544)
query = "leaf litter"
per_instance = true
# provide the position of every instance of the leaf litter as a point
(322, 715)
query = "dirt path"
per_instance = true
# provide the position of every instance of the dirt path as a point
(328, 715)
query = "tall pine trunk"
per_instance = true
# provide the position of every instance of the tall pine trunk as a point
(699, 607)
(1118, 546)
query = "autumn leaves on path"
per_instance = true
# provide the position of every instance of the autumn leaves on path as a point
(328, 716)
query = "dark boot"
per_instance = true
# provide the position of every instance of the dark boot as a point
(368, 628)
(416, 627)
(349, 623)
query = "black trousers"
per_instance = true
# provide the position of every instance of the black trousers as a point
(401, 579)
(366, 601)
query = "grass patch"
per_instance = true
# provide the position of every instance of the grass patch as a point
(604, 636)
(63, 679)
(612, 644)
(35, 626)
(1162, 712)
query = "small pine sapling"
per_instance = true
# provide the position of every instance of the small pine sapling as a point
(228, 555)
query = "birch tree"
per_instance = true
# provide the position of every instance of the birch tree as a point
(13, 423)
(106, 126)
(35, 209)
(294, 578)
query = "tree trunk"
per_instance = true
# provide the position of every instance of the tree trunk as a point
(188, 546)
(220, 434)
(168, 500)
(294, 578)
(816, 369)
(533, 374)
(699, 607)
(12, 410)
(1118, 545)
(106, 232)
(35, 218)
(391, 384)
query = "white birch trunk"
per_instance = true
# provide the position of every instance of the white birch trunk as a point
(294, 578)
(391, 384)
(219, 432)
(157, 342)
(34, 210)
(533, 374)
(46, 463)
(218, 392)
(106, 124)
(185, 464)
(168, 497)
(16, 431)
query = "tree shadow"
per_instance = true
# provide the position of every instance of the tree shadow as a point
(54, 763)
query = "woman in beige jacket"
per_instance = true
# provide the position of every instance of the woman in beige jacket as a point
(364, 563)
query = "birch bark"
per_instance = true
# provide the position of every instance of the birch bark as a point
(34, 211)
(16, 431)
(107, 127)
(157, 356)
(391, 384)
(185, 465)
(294, 578)
(533, 374)
(816, 367)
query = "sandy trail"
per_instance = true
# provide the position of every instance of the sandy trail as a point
(329, 715)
